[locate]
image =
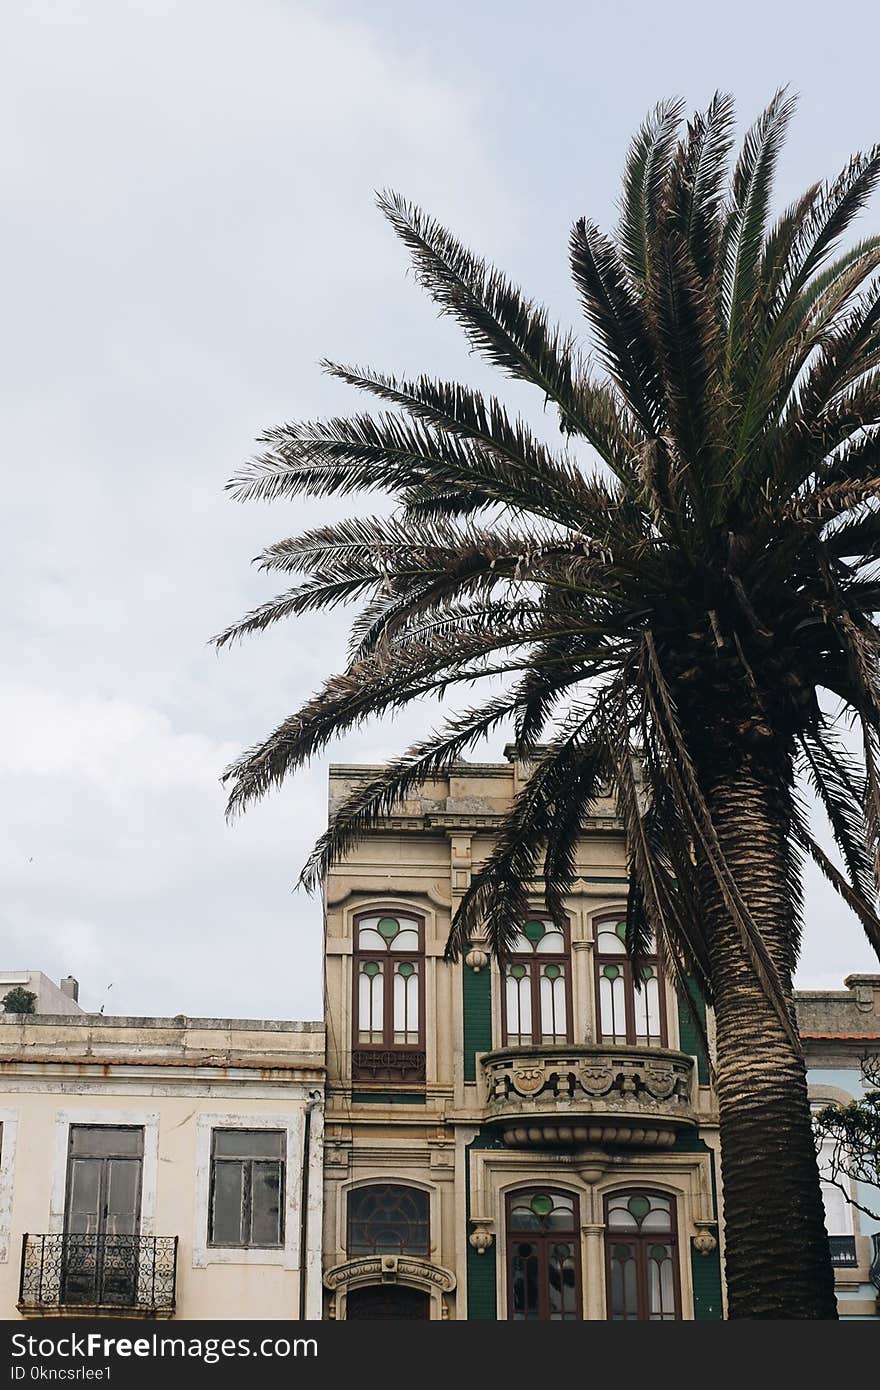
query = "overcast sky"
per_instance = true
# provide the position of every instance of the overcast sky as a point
(188, 226)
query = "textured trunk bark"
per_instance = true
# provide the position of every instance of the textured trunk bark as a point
(777, 1257)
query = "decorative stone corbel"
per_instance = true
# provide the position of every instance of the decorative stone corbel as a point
(481, 1237)
(705, 1241)
(476, 959)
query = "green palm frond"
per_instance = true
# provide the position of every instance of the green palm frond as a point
(667, 590)
(644, 180)
(742, 238)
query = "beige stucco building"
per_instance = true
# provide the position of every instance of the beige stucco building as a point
(839, 1029)
(152, 1167)
(542, 1144)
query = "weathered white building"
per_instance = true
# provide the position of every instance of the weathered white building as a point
(159, 1166)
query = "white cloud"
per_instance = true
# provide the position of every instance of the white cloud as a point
(188, 227)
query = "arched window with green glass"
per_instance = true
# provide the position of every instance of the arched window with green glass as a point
(641, 1257)
(388, 1042)
(543, 1257)
(627, 1014)
(536, 1000)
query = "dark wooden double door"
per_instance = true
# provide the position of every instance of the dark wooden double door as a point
(101, 1246)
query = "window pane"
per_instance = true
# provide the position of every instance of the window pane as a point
(524, 1281)
(370, 940)
(388, 1219)
(661, 1286)
(227, 1226)
(371, 1002)
(122, 1199)
(249, 1143)
(561, 1282)
(612, 1004)
(266, 1203)
(84, 1178)
(406, 1002)
(647, 1009)
(388, 932)
(542, 1211)
(624, 1283)
(406, 941)
(519, 1003)
(610, 938)
(100, 1141)
(552, 943)
(554, 1027)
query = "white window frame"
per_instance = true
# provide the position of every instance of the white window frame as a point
(9, 1121)
(287, 1255)
(148, 1121)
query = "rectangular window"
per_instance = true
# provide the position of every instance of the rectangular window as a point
(247, 1188)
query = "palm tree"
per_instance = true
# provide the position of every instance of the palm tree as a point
(687, 578)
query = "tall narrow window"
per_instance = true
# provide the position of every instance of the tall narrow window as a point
(388, 1219)
(641, 1258)
(102, 1214)
(389, 1039)
(247, 1188)
(543, 1257)
(627, 1014)
(537, 986)
(838, 1210)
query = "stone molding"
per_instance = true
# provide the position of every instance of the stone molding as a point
(384, 1269)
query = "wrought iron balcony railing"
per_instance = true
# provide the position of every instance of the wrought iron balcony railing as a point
(843, 1250)
(136, 1275)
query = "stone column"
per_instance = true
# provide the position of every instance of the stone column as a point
(591, 1168)
(593, 1263)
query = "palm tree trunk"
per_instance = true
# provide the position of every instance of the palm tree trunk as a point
(777, 1260)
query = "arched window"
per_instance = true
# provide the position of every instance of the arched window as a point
(536, 1003)
(641, 1259)
(388, 1219)
(543, 1257)
(389, 993)
(627, 1014)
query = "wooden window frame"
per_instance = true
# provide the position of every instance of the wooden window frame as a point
(543, 1239)
(247, 1188)
(534, 960)
(640, 1240)
(388, 1062)
(623, 961)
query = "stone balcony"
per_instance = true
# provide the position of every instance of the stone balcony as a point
(559, 1095)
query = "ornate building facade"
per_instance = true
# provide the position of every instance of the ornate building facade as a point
(537, 1144)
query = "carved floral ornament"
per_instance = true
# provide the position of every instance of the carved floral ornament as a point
(384, 1269)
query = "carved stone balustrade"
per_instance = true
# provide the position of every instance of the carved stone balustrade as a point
(563, 1095)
